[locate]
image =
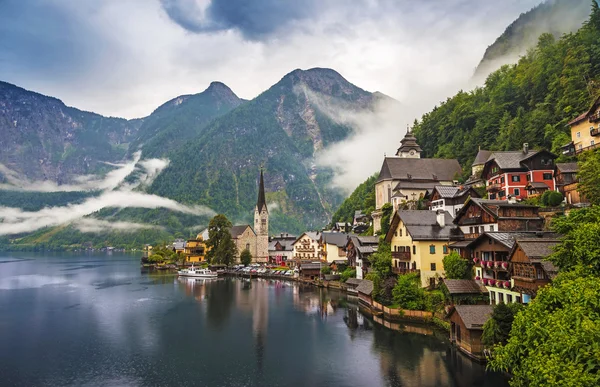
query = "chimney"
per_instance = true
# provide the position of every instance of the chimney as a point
(441, 218)
(525, 148)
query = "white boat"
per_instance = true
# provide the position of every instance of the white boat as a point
(197, 273)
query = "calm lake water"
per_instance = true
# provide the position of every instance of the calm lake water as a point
(98, 320)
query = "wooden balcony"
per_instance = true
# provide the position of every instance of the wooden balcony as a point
(595, 132)
(401, 270)
(578, 151)
(401, 255)
(494, 187)
(595, 117)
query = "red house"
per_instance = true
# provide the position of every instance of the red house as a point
(514, 173)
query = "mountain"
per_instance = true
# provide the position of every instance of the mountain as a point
(43, 139)
(182, 118)
(556, 17)
(531, 101)
(283, 129)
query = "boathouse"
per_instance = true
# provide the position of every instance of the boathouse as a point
(466, 328)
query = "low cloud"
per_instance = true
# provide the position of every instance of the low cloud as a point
(98, 225)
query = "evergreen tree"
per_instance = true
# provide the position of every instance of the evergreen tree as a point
(246, 257)
(221, 248)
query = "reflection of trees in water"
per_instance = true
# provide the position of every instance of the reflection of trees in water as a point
(220, 298)
(466, 373)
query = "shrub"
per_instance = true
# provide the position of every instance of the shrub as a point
(156, 258)
(551, 198)
(408, 293)
(326, 270)
(348, 273)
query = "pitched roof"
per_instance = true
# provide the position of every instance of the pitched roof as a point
(511, 159)
(549, 268)
(536, 249)
(586, 114)
(422, 225)
(537, 185)
(567, 167)
(311, 265)
(452, 191)
(482, 157)
(508, 238)
(353, 281)
(236, 231)
(335, 238)
(474, 316)
(463, 286)
(314, 235)
(419, 169)
(261, 203)
(489, 206)
(365, 287)
(409, 184)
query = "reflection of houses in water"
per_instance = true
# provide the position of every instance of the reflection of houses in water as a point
(322, 303)
(194, 287)
(255, 300)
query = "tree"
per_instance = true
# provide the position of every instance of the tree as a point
(551, 198)
(348, 273)
(246, 257)
(497, 329)
(221, 248)
(386, 216)
(589, 177)
(555, 341)
(408, 293)
(381, 260)
(456, 267)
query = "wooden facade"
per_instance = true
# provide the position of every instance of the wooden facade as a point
(466, 328)
(529, 270)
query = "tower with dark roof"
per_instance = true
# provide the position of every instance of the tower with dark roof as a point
(261, 223)
(409, 147)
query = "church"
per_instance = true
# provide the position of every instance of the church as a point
(256, 239)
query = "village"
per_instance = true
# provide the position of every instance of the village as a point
(496, 224)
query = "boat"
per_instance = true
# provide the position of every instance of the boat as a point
(197, 273)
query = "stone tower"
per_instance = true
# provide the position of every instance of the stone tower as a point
(409, 147)
(261, 224)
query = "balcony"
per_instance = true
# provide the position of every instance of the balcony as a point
(401, 270)
(595, 132)
(595, 117)
(495, 187)
(401, 255)
(580, 150)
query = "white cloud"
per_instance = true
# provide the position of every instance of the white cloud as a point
(100, 225)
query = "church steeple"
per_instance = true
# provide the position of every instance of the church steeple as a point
(261, 203)
(409, 147)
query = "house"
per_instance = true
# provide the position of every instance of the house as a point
(585, 130)
(450, 198)
(338, 265)
(306, 247)
(408, 177)
(419, 241)
(529, 268)
(281, 249)
(358, 250)
(310, 270)
(341, 227)
(365, 292)
(195, 250)
(475, 179)
(178, 246)
(351, 284)
(482, 215)
(464, 291)
(567, 183)
(466, 328)
(361, 222)
(331, 245)
(508, 173)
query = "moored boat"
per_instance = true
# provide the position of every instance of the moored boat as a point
(197, 272)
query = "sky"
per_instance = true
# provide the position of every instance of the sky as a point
(125, 58)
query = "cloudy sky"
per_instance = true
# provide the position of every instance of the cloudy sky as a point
(126, 57)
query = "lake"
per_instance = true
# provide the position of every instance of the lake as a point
(99, 320)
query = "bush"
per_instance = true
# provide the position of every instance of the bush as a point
(156, 258)
(551, 198)
(246, 257)
(348, 273)
(456, 267)
(326, 270)
(408, 293)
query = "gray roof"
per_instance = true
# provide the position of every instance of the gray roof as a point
(409, 142)
(482, 157)
(538, 185)
(365, 287)
(335, 238)
(537, 248)
(474, 316)
(549, 268)
(461, 244)
(314, 235)
(340, 261)
(419, 169)
(236, 231)
(567, 167)
(286, 243)
(410, 184)
(509, 238)
(422, 225)
(311, 266)
(353, 281)
(463, 286)
(511, 159)
(368, 240)
(179, 244)
(451, 191)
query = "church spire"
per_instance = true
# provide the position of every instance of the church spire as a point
(261, 203)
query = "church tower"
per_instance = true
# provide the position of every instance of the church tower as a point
(261, 223)
(409, 147)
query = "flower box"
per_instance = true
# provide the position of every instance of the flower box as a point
(505, 265)
(477, 278)
(490, 264)
(496, 264)
(485, 281)
(499, 284)
(492, 282)
(475, 260)
(507, 284)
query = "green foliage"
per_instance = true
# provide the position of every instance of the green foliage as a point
(580, 245)
(363, 198)
(245, 257)
(387, 209)
(497, 328)
(456, 267)
(589, 176)
(408, 293)
(221, 248)
(531, 101)
(156, 258)
(551, 198)
(325, 270)
(555, 341)
(381, 261)
(348, 273)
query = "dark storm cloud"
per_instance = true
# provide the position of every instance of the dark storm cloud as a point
(255, 19)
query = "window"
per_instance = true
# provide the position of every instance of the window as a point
(502, 180)
(414, 250)
(445, 249)
(433, 266)
(481, 230)
(492, 227)
(580, 146)
(518, 299)
(516, 178)
(528, 178)
(592, 143)
(493, 297)
(400, 232)
(247, 246)
(477, 254)
(470, 230)
(396, 234)
(501, 194)
(547, 176)
(517, 192)
(490, 241)
(432, 249)
(578, 134)
(509, 298)
(500, 297)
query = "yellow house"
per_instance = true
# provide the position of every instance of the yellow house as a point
(195, 250)
(332, 246)
(585, 129)
(419, 241)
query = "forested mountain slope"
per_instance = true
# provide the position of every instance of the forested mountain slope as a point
(555, 17)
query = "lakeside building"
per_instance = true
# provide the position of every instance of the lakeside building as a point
(511, 174)
(358, 250)
(306, 247)
(408, 177)
(194, 249)
(281, 249)
(332, 245)
(585, 131)
(420, 240)
(451, 198)
(467, 291)
(466, 328)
